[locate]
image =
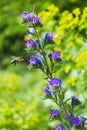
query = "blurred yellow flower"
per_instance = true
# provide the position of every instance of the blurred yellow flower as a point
(68, 57)
(76, 11)
(72, 80)
(67, 68)
(53, 8)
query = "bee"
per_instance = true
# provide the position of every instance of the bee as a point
(15, 60)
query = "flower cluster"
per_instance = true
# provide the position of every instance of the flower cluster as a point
(31, 17)
(38, 58)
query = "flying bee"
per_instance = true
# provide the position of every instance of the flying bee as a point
(16, 60)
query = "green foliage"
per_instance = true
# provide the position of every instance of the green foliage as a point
(11, 34)
(20, 107)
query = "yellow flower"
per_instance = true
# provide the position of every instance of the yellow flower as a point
(85, 11)
(72, 80)
(81, 59)
(45, 15)
(68, 57)
(27, 37)
(77, 11)
(65, 13)
(69, 45)
(53, 8)
(67, 68)
(76, 21)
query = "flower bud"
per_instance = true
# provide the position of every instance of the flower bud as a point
(54, 113)
(47, 91)
(55, 82)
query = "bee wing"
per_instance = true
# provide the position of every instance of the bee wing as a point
(21, 59)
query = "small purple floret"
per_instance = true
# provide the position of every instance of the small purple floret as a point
(54, 113)
(38, 54)
(59, 128)
(30, 43)
(76, 121)
(84, 120)
(56, 55)
(31, 16)
(34, 61)
(25, 15)
(37, 43)
(36, 20)
(30, 19)
(48, 37)
(55, 82)
(47, 91)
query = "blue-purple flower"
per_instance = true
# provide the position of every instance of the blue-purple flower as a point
(38, 54)
(48, 37)
(36, 20)
(37, 43)
(30, 43)
(58, 127)
(76, 121)
(25, 15)
(83, 121)
(56, 55)
(31, 17)
(50, 56)
(47, 91)
(55, 82)
(54, 113)
(34, 61)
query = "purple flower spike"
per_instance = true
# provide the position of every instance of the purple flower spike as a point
(47, 91)
(30, 43)
(59, 128)
(55, 82)
(48, 37)
(76, 121)
(54, 113)
(56, 55)
(36, 20)
(34, 61)
(84, 120)
(25, 15)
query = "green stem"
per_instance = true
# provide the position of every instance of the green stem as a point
(45, 60)
(63, 105)
(47, 67)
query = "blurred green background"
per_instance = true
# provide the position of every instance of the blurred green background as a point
(21, 103)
